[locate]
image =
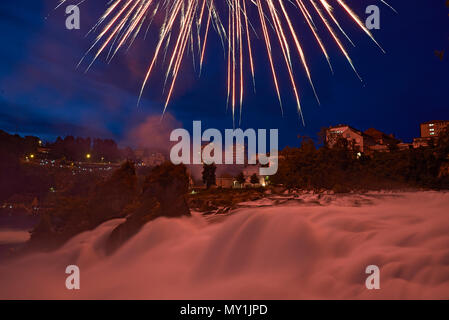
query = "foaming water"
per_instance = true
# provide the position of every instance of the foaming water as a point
(280, 252)
(13, 236)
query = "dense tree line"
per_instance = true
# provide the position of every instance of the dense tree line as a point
(341, 169)
(16, 177)
(13, 177)
(76, 149)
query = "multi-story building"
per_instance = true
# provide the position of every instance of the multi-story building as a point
(372, 140)
(431, 129)
(381, 138)
(422, 142)
(347, 132)
(225, 181)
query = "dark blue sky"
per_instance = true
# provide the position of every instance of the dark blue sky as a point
(42, 93)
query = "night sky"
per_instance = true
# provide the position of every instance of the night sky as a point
(42, 93)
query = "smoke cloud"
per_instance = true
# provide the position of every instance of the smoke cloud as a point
(154, 133)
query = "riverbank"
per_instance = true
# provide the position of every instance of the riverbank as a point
(15, 226)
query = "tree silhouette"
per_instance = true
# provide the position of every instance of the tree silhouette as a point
(240, 178)
(209, 175)
(254, 179)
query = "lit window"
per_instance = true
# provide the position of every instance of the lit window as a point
(432, 133)
(432, 129)
(431, 125)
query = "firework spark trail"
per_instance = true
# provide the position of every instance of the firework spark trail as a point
(337, 40)
(359, 22)
(388, 5)
(312, 27)
(188, 24)
(268, 45)
(285, 52)
(205, 40)
(329, 10)
(248, 39)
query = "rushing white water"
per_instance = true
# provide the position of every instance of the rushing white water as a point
(290, 251)
(9, 236)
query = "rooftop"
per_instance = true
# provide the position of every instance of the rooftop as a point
(436, 121)
(346, 125)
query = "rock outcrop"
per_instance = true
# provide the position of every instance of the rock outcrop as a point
(163, 195)
(73, 215)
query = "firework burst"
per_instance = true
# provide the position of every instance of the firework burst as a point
(187, 26)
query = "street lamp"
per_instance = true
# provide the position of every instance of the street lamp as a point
(88, 156)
